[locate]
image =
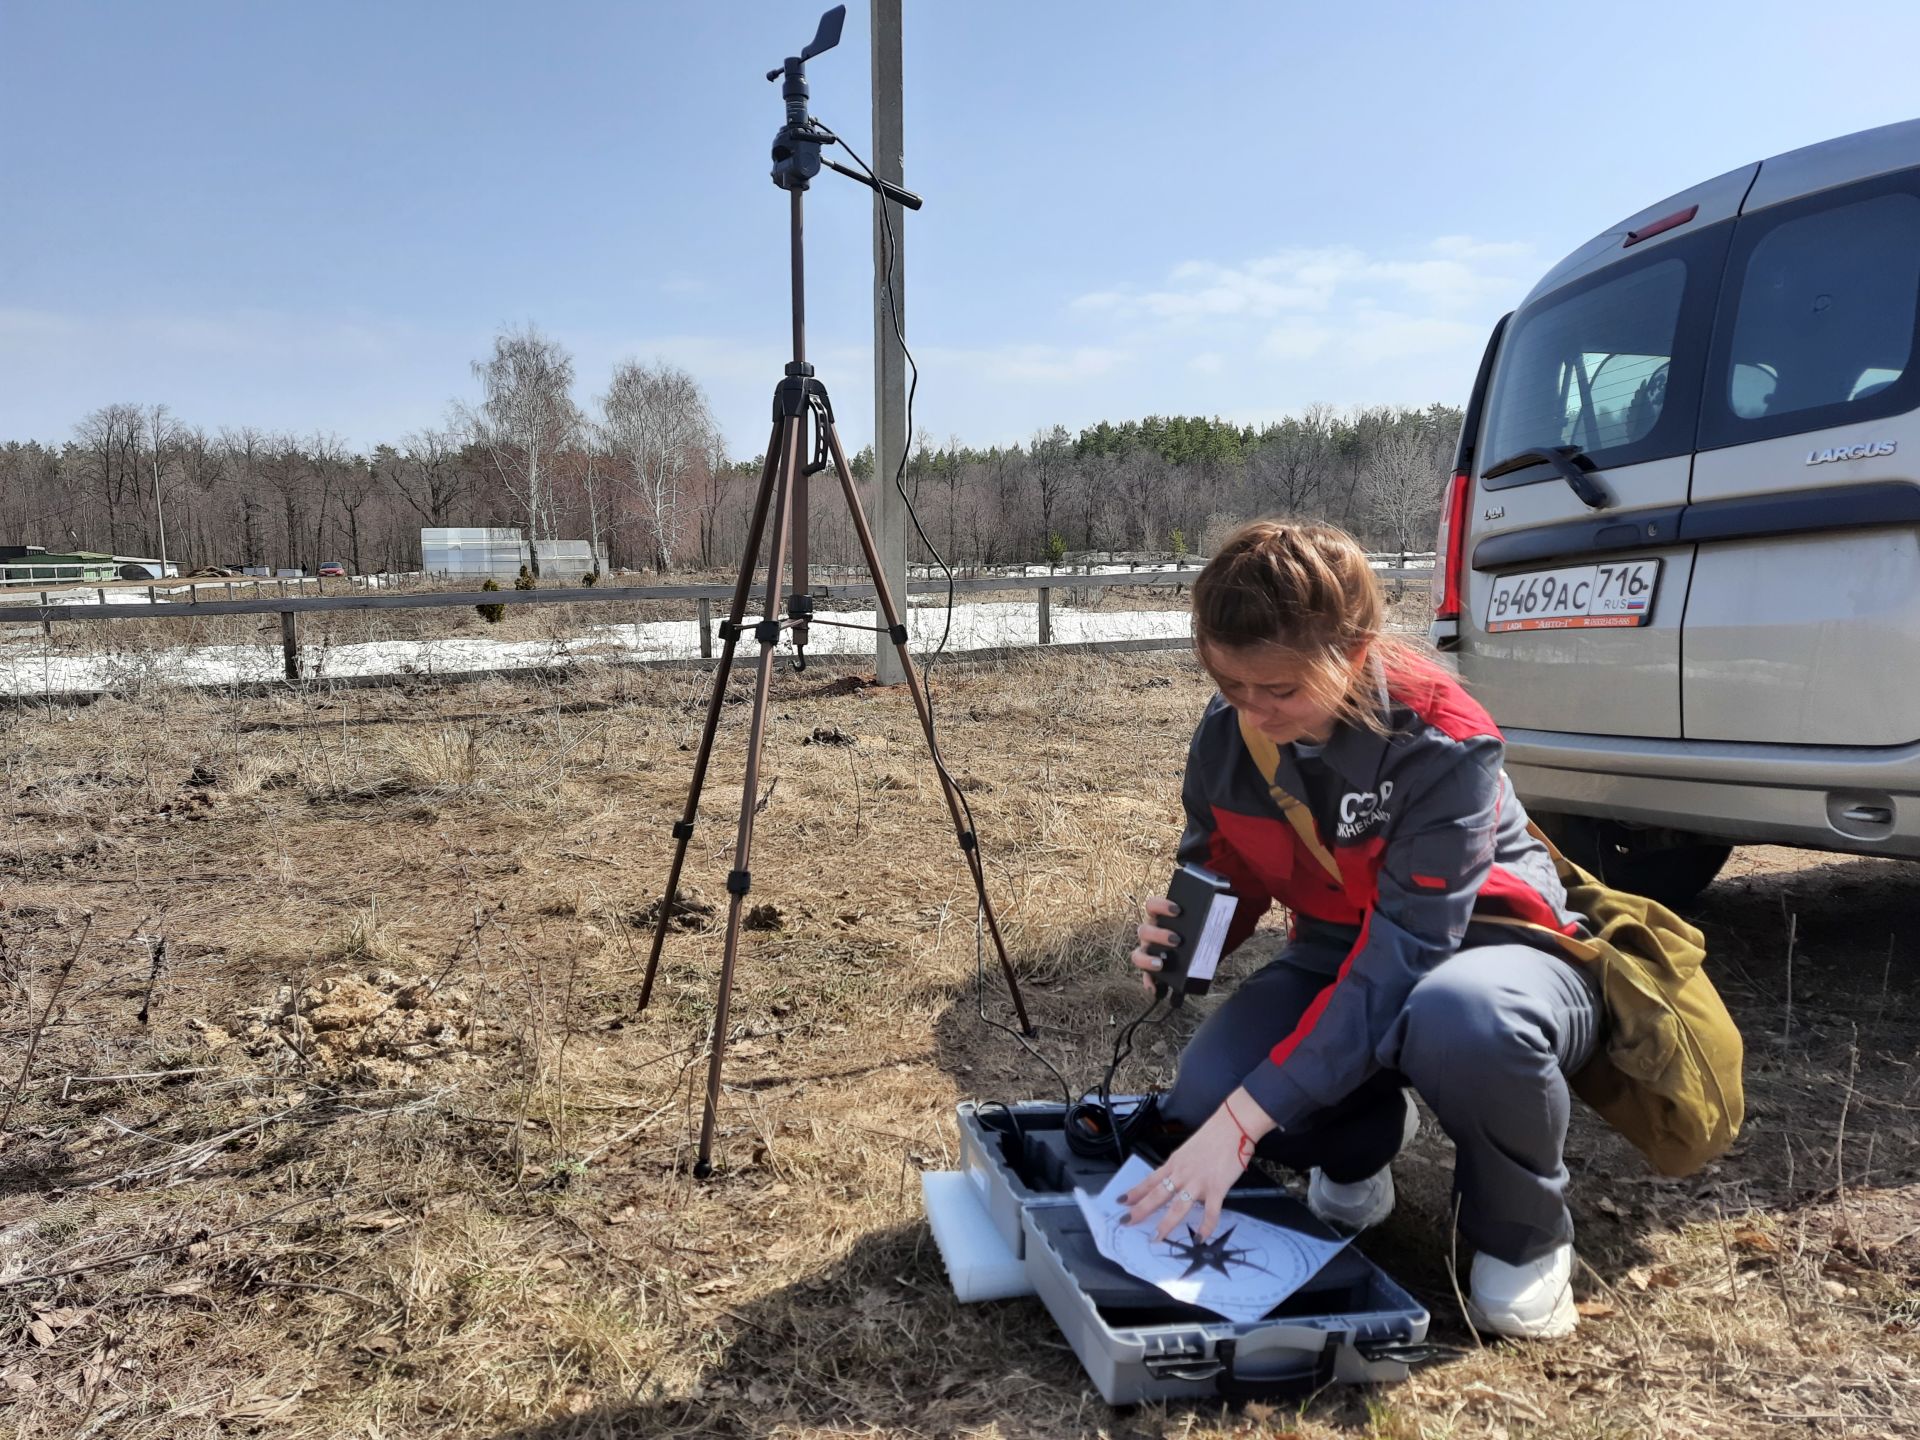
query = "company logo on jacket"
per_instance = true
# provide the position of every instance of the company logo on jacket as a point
(1363, 810)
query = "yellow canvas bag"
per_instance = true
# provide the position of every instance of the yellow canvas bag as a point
(1668, 1077)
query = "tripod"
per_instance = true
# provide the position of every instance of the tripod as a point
(798, 399)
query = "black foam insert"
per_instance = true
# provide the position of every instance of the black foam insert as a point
(1043, 1161)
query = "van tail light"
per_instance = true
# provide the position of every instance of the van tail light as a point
(1450, 549)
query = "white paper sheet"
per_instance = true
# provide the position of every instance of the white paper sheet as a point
(1247, 1268)
(1213, 937)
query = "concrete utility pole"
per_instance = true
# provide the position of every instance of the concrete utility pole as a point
(890, 438)
(158, 509)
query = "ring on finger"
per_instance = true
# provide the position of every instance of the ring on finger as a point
(1170, 1187)
(1187, 1196)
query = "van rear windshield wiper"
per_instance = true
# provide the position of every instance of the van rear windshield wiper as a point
(1568, 461)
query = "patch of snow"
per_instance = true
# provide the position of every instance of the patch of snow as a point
(27, 667)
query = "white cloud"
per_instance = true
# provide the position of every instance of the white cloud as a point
(279, 370)
(1251, 339)
(1029, 364)
(1295, 340)
(1453, 273)
(1381, 337)
(22, 326)
(1465, 247)
(237, 335)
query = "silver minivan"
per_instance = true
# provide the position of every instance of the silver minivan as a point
(1679, 558)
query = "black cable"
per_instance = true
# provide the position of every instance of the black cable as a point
(980, 1005)
(979, 860)
(1123, 1043)
(906, 449)
(1080, 1113)
(1013, 1120)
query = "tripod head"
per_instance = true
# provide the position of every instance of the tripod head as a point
(796, 149)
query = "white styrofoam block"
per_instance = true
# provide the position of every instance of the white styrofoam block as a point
(980, 1264)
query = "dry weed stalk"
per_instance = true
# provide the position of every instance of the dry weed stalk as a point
(40, 1025)
(1793, 934)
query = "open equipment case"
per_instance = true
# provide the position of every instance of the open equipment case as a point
(1015, 1208)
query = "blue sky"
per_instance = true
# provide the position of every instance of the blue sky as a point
(315, 216)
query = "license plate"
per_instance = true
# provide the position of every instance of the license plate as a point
(1612, 595)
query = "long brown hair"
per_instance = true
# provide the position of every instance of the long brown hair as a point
(1305, 590)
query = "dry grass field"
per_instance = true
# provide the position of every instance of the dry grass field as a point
(328, 1111)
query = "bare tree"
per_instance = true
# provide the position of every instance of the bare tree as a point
(427, 474)
(950, 476)
(328, 465)
(203, 526)
(1293, 462)
(1049, 454)
(526, 418)
(162, 431)
(283, 469)
(245, 449)
(109, 461)
(596, 471)
(658, 428)
(356, 482)
(1139, 492)
(716, 483)
(1398, 489)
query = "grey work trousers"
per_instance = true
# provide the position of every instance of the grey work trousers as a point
(1487, 1038)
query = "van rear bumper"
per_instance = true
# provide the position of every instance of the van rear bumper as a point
(1861, 799)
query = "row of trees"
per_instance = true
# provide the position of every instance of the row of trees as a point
(644, 473)
(1174, 483)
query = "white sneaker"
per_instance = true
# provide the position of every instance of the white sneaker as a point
(1533, 1301)
(1359, 1205)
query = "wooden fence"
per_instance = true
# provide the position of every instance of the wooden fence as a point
(289, 605)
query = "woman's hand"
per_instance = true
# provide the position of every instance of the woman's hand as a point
(1200, 1172)
(1150, 934)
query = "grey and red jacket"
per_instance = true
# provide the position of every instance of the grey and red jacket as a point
(1430, 843)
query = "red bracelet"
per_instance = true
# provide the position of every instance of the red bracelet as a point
(1246, 1140)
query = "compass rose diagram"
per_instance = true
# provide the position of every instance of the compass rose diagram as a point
(1218, 1254)
(1245, 1269)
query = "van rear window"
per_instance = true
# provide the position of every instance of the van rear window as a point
(1590, 368)
(1826, 309)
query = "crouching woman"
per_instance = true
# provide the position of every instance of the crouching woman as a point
(1346, 775)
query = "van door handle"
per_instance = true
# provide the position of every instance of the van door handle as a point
(1868, 814)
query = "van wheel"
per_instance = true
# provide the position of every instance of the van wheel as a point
(1670, 866)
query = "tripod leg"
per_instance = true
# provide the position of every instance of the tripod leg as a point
(968, 843)
(683, 832)
(792, 458)
(800, 578)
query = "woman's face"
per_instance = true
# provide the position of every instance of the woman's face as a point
(1266, 685)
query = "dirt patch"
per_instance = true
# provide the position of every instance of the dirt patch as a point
(765, 917)
(843, 685)
(379, 1029)
(690, 913)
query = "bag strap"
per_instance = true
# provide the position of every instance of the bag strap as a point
(1266, 757)
(1569, 873)
(1571, 945)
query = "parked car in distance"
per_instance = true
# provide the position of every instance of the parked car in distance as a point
(1679, 556)
(332, 567)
